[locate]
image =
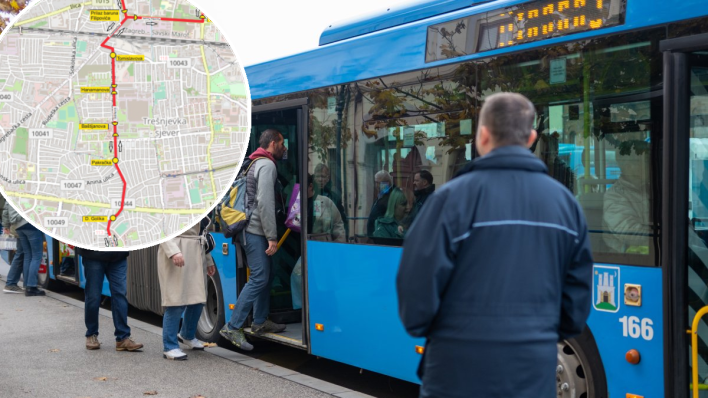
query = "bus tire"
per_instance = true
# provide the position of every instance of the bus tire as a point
(580, 373)
(212, 319)
(43, 279)
(47, 283)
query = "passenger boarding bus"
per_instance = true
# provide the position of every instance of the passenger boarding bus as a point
(621, 94)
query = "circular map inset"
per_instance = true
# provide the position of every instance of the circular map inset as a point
(122, 122)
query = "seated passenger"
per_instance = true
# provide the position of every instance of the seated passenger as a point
(383, 184)
(323, 217)
(388, 225)
(626, 214)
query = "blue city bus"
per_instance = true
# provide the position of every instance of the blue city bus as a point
(621, 93)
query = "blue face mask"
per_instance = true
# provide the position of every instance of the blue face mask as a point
(383, 187)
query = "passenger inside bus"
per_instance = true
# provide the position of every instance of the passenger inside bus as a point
(626, 206)
(423, 187)
(322, 185)
(390, 226)
(547, 151)
(324, 221)
(383, 184)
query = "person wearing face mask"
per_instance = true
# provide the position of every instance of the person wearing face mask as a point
(383, 185)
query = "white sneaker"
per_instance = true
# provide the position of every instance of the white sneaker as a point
(175, 354)
(194, 344)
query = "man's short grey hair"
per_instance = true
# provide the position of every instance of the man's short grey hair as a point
(509, 118)
(383, 175)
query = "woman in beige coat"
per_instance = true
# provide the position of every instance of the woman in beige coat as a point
(182, 268)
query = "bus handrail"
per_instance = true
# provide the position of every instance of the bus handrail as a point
(694, 349)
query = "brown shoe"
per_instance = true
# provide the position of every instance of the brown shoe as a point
(128, 344)
(92, 343)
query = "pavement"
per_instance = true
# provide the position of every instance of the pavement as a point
(43, 354)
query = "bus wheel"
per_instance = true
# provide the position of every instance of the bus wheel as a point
(580, 373)
(43, 279)
(212, 319)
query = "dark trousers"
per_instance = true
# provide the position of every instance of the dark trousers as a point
(116, 273)
(488, 369)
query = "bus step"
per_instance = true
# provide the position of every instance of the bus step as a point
(67, 279)
(292, 336)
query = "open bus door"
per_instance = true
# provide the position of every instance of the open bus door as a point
(290, 118)
(66, 262)
(685, 250)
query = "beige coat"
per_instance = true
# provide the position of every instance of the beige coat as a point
(327, 219)
(183, 285)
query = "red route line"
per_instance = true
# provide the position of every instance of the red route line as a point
(175, 19)
(115, 128)
(113, 81)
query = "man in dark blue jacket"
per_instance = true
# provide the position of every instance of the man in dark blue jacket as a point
(496, 268)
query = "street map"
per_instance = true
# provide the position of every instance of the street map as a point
(122, 122)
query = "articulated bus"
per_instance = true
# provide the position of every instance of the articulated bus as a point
(621, 93)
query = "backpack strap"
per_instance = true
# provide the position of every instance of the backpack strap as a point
(245, 172)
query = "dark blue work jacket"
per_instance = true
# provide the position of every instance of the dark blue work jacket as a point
(496, 269)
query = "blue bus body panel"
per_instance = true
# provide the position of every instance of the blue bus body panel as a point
(394, 16)
(50, 253)
(646, 378)
(226, 267)
(402, 48)
(352, 292)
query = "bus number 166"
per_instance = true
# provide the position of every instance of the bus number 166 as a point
(634, 327)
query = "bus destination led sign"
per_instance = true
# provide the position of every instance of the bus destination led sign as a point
(520, 24)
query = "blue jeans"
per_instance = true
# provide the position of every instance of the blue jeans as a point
(16, 268)
(31, 240)
(170, 324)
(116, 272)
(256, 293)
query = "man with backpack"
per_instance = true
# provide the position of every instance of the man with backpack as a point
(259, 240)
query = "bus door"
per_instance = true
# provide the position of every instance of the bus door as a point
(65, 262)
(685, 250)
(288, 290)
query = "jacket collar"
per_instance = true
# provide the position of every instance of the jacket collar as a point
(511, 157)
(425, 191)
(261, 153)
